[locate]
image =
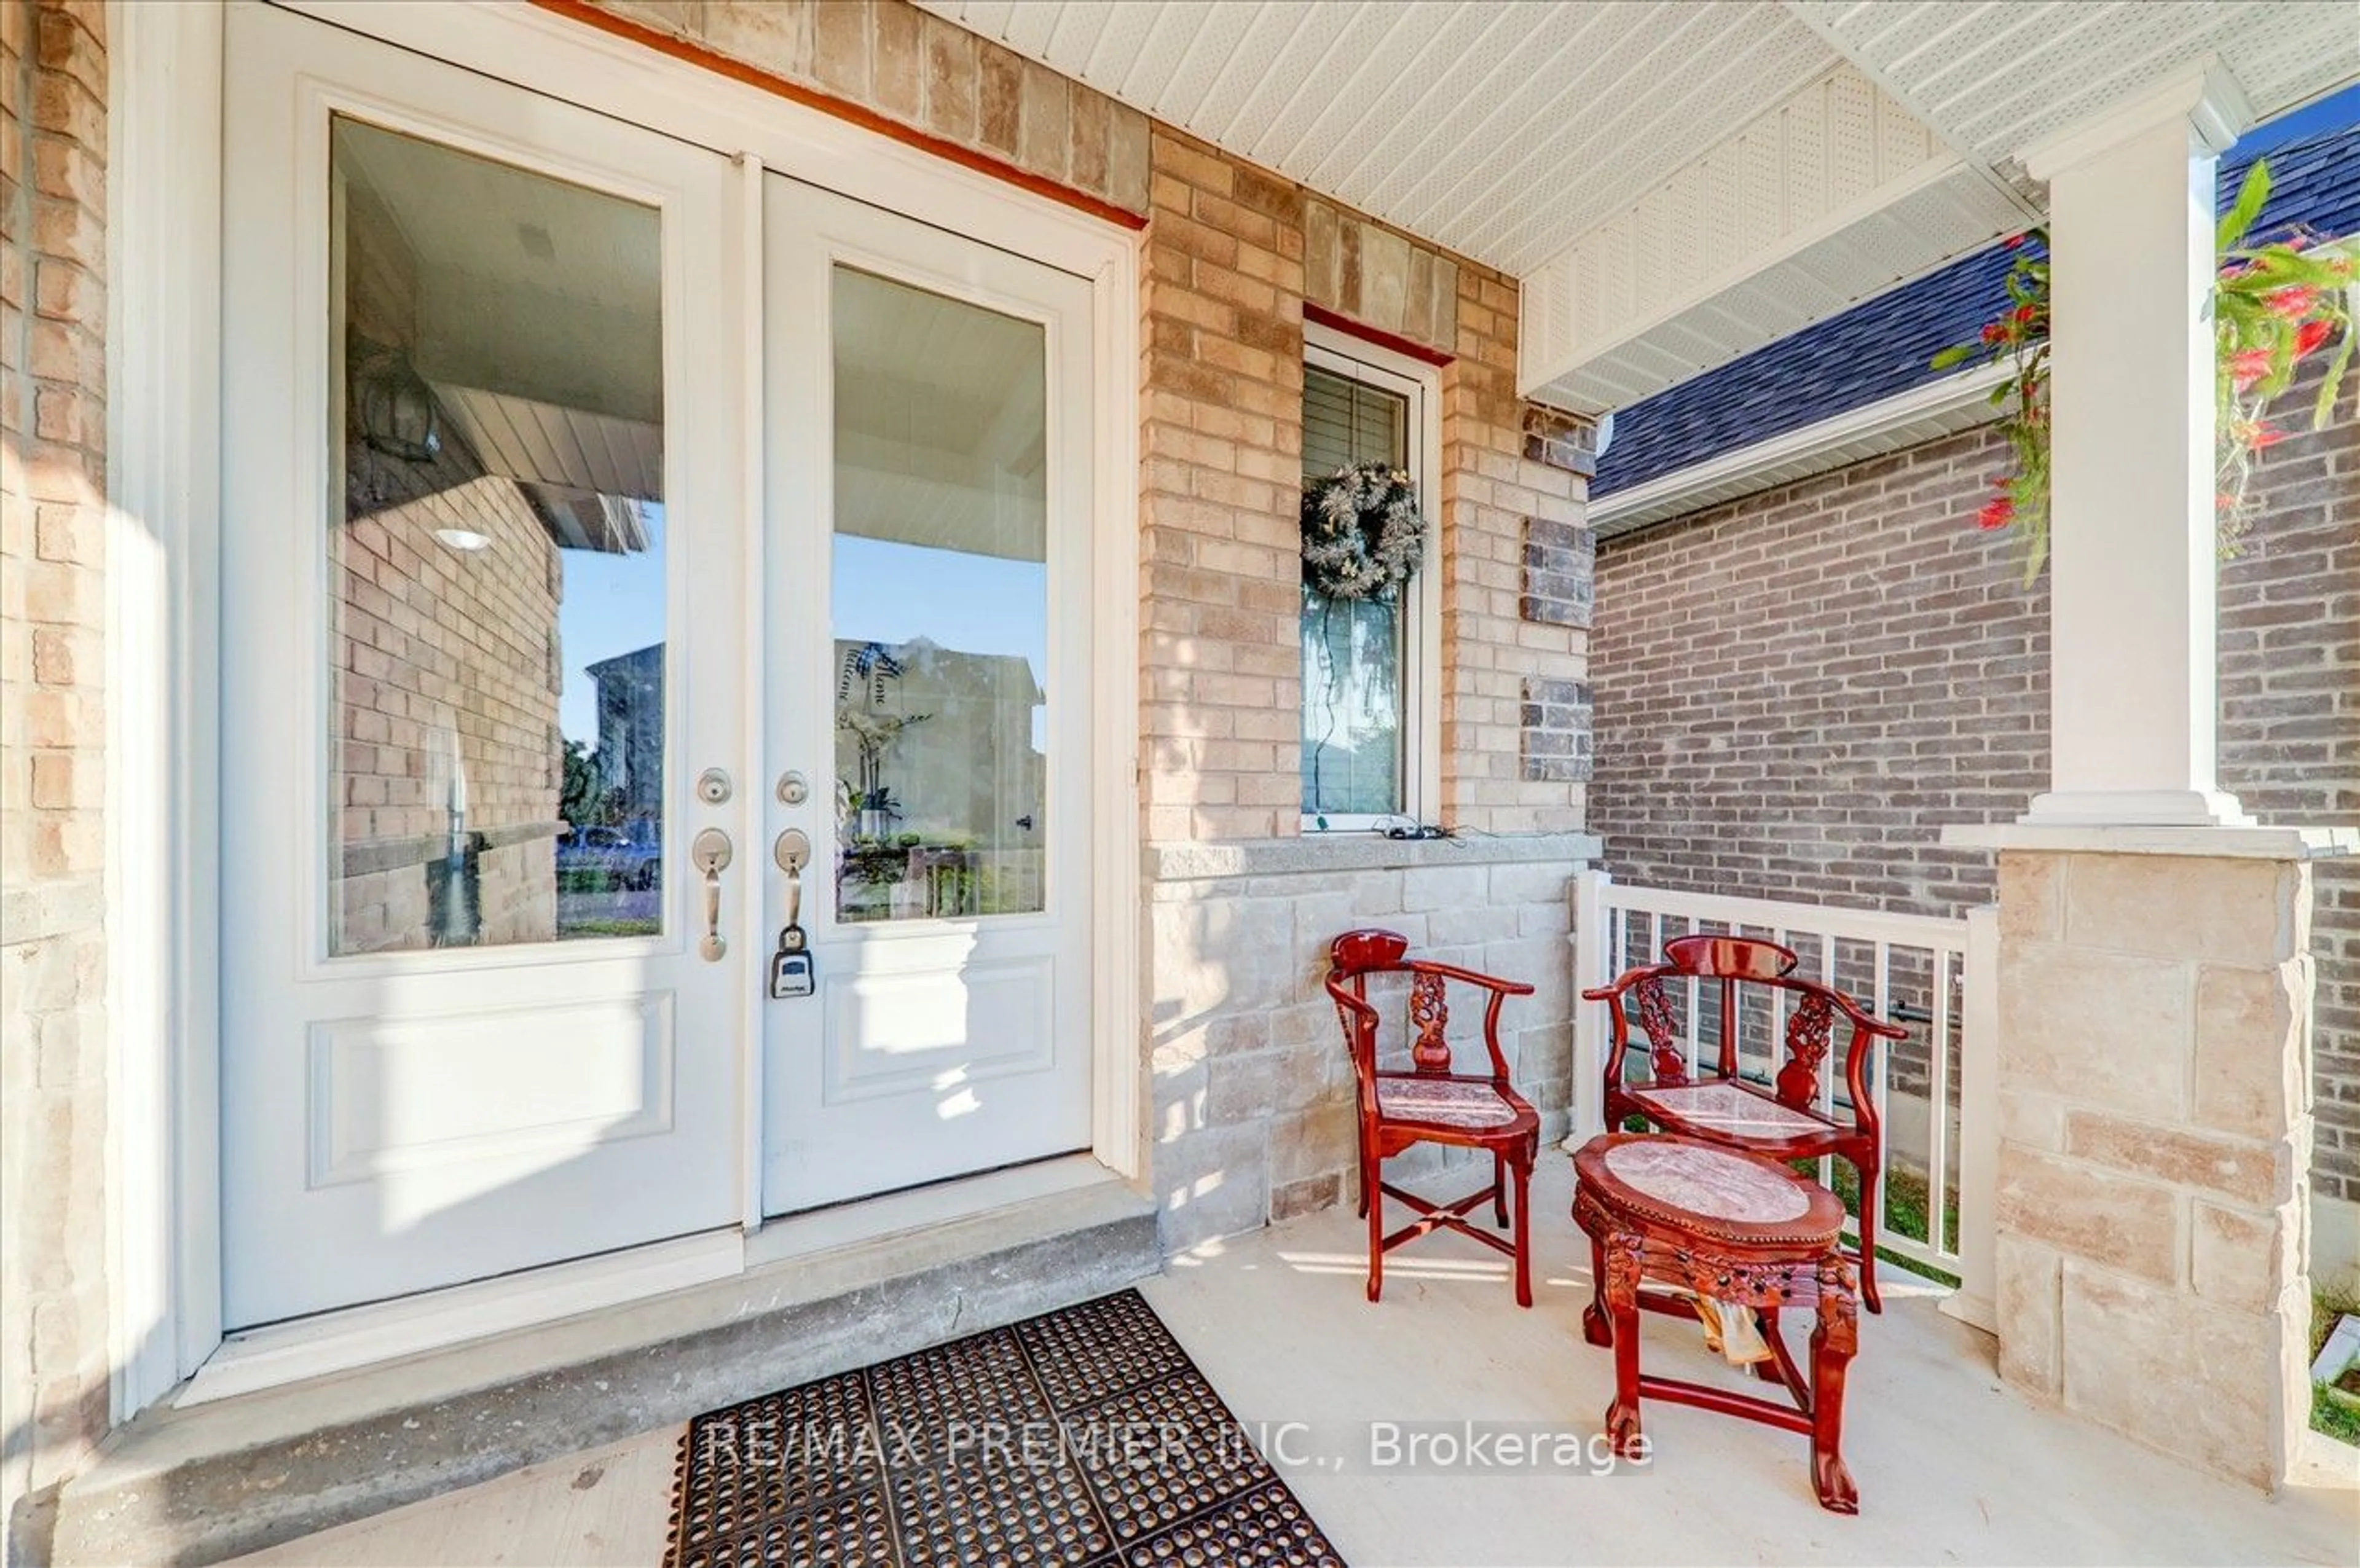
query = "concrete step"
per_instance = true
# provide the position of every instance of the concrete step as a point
(220, 1479)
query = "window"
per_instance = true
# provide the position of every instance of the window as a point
(1368, 670)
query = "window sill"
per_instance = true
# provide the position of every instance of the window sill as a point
(1317, 853)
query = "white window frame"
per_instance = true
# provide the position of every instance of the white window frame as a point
(1357, 359)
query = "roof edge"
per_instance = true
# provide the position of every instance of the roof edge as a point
(1920, 414)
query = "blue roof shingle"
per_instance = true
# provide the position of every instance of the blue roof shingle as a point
(1880, 347)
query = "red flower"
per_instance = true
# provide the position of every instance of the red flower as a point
(2023, 315)
(2248, 366)
(2309, 335)
(1997, 513)
(2261, 437)
(2015, 241)
(1993, 331)
(2223, 502)
(2293, 303)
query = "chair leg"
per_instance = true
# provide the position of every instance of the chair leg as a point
(1869, 1176)
(1366, 1185)
(1521, 1170)
(1500, 1189)
(1372, 1202)
(1597, 1327)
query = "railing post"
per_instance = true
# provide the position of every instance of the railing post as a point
(1978, 1124)
(1589, 1027)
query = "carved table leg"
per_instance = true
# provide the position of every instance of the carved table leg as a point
(1833, 1341)
(1621, 1275)
(1595, 1325)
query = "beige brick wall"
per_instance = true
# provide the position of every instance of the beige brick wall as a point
(1232, 252)
(53, 1096)
(914, 69)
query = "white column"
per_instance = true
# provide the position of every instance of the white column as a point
(2132, 699)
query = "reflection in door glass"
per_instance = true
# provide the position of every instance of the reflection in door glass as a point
(496, 578)
(940, 595)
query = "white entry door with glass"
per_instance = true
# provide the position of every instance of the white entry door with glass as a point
(505, 720)
(930, 476)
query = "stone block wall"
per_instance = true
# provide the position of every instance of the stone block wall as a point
(1794, 690)
(53, 965)
(2154, 1146)
(1253, 1113)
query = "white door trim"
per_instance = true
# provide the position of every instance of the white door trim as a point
(163, 819)
(163, 1159)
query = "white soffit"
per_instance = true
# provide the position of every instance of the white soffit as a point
(1833, 195)
(1994, 78)
(1493, 127)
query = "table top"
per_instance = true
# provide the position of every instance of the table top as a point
(1683, 1183)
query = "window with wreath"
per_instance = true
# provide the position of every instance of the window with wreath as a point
(1365, 537)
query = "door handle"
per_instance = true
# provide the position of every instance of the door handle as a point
(710, 853)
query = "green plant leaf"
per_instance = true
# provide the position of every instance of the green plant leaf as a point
(2332, 381)
(1957, 354)
(2250, 198)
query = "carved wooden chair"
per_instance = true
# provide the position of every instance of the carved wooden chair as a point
(1782, 1119)
(1428, 1103)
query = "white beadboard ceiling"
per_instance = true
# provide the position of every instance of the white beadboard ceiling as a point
(1498, 128)
(1562, 141)
(1993, 78)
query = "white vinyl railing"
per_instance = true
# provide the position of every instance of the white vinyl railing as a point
(1934, 975)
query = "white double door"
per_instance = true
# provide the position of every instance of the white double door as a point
(597, 518)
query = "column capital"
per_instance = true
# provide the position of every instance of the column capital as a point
(2204, 95)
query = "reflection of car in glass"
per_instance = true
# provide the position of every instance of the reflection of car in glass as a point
(632, 864)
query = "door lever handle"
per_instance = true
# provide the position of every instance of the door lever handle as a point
(710, 853)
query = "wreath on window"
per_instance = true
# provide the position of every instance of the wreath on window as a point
(1363, 536)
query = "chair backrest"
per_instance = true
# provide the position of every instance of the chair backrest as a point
(1356, 955)
(1738, 963)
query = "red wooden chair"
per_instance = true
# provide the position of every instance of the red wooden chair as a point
(1430, 1103)
(1718, 1105)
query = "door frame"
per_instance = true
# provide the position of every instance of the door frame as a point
(164, 357)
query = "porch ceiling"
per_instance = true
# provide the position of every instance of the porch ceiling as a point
(1551, 140)
(1498, 129)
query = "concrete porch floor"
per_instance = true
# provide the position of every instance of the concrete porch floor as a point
(1953, 1467)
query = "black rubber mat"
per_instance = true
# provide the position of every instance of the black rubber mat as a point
(1082, 1438)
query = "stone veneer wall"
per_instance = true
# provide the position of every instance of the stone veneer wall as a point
(53, 1043)
(1253, 1112)
(2151, 1187)
(1794, 690)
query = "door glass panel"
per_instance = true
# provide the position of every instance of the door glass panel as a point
(496, 572)
(940, 604)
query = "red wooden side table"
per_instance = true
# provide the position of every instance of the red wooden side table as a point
(1741, 1229)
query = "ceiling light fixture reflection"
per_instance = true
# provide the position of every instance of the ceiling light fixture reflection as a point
(465, 540)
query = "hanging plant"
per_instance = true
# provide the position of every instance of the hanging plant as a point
(2274, 305)
(1363, 536)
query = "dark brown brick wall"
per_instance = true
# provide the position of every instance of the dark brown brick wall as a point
(1793, 691)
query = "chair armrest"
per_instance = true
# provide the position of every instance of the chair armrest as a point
(1359, 1019)
(1489, 981)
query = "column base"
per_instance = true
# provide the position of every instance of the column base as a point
(2137, 808)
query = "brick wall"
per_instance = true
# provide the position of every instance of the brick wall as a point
(53, 1103)
(915, 69)
(1794, 690)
